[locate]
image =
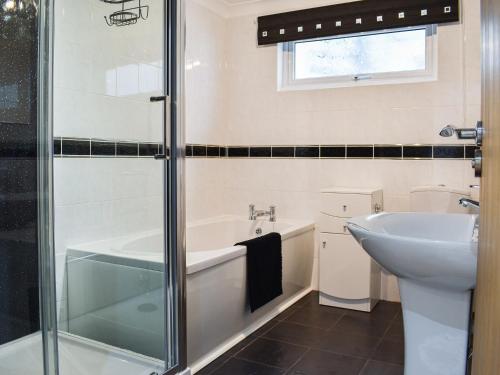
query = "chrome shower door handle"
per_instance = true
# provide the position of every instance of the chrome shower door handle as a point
(163, 154)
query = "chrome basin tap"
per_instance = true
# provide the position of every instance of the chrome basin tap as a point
(253, 214)
(466, 202)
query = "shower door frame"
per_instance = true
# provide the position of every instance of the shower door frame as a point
(45, 157)
(173, 181)
(175, 177)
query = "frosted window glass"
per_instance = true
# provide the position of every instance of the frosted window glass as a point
(357, 55)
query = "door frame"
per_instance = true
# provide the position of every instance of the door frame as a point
(485, 359)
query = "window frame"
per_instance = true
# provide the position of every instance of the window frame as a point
(288, 82)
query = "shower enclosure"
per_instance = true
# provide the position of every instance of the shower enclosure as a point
(91, 154)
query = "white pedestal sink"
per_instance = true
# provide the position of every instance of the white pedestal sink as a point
(435, 259)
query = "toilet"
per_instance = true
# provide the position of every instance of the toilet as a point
(438, 199)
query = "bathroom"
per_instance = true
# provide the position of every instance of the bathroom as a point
(148, 146)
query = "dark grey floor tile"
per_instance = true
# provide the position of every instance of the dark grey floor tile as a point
(392, 351)
(362, 324)
(272, 353)
(266, 327)
(237, 366)
(341, 342)
(349, 344)
(211, 367)
(285, 314)
(311, 298)
(326, 308)
(296, 334)
(382, 368)
(317, 316)
(384, 310)
(318, 362)
(241, 345)
(399, 316)
(396, 331)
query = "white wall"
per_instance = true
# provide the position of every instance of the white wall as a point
(256, 113)
(206, 98)
(103, 78)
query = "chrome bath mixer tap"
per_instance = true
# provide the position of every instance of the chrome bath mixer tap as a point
(253, 214)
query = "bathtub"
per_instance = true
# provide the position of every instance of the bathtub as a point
(218, 315)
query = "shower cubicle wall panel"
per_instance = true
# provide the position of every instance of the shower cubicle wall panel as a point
(19, 290)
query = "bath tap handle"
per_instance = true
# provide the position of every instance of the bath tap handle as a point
(251, 212)
(272, 213)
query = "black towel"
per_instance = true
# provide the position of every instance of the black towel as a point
(264, 269)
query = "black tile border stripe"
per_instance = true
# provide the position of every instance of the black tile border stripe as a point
(213, 152)
(102, 148)
(96, 148)
(359, 152)
(282, 151)
(127, 149)
(307, 152)
(333, 152)
(199, 151)
(238, 151)
(388, 152)
(261, 152)
(148, 149)
(417, 152)
(448, 152)
(470, 151)
(74, 147)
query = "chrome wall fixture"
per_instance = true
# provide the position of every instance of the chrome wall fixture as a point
(127, 15)
(469, 133)
(450, 130)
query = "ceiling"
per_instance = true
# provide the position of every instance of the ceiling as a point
(238, 2)
(233, 8)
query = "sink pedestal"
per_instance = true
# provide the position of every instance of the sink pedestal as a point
(436, 324)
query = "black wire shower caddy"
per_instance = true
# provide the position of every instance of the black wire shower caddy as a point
(127, 15)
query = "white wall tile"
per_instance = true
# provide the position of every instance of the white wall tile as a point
(232, 98)
(256, 113)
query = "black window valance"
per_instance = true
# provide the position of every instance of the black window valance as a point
(354, 17)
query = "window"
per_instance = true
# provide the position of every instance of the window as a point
(383, 57)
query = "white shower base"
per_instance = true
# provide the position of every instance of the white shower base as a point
(76, 357)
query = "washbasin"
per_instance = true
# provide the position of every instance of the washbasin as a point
(439, 250)
(434, 257)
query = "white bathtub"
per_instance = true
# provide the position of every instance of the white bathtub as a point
(217, 308)
(218, 314)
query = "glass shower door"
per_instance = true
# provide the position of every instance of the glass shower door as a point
(27, 344)
(115, 263)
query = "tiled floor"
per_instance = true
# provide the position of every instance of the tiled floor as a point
(309, 339)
